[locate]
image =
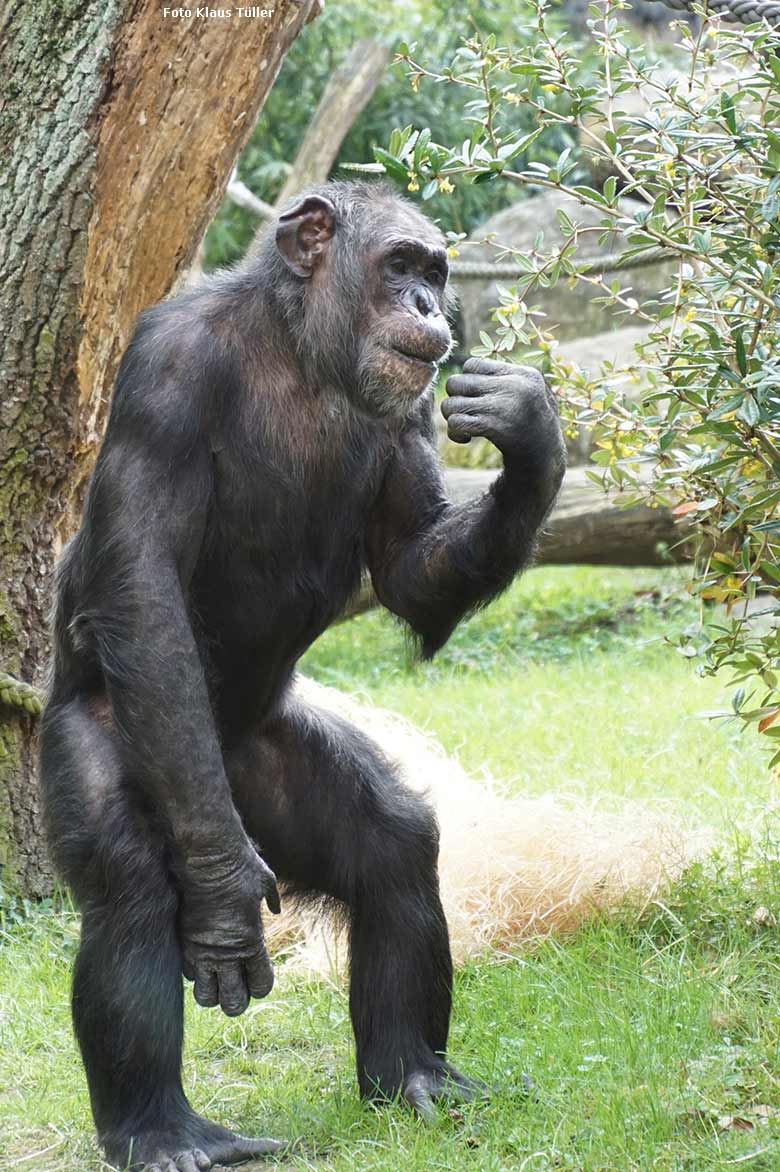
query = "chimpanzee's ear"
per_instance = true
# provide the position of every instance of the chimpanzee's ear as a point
(303, 234)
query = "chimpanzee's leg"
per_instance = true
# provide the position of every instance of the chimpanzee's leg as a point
(127, 980)
(329, 814)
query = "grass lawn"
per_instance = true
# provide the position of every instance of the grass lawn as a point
(654, 1045)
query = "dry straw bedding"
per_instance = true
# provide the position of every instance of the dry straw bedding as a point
(512, 869)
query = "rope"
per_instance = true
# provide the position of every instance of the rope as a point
(16, 694)
(746, 11)
(466, 270)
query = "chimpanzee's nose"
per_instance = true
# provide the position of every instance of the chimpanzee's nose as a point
(424, 302)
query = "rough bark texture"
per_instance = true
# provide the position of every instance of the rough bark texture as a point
(118, 132)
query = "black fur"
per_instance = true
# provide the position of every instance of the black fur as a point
(269, 437)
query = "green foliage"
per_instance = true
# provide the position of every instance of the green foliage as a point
(318, 51)
(701, 163)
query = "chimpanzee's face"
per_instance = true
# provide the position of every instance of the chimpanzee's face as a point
(404, 334)
(374, 312)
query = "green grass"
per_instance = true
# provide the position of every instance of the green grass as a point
(654, 1045)
(567, 682)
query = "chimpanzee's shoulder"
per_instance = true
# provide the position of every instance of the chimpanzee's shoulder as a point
(165, 383)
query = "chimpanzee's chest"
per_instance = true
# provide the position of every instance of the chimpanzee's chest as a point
(285, 544)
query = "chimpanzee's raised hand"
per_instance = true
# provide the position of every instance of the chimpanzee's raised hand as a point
(222, 939)
(513, 407)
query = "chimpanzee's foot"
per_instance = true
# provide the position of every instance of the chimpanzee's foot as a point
(441, 1083)
(444, 1084)
(190, 1144)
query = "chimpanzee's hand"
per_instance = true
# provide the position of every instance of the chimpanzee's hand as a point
(511, 406)
(222, 938)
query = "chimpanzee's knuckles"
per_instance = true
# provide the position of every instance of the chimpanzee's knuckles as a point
(526, 397)
(456, 405)
(488, 366)
(461, 428)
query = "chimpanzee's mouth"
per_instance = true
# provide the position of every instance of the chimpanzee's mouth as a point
(417, 359)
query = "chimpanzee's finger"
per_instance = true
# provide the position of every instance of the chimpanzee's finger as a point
(259, 975)
(460, 405)
(206, 991)
(462, 428)
(188, 969)
(233, 993)
(488, 366)
(272, 894)
(470, 385)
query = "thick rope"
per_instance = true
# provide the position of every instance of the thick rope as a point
(16, 694)
(468, 270)
(745, 11)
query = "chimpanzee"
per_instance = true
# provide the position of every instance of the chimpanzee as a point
(270, 437)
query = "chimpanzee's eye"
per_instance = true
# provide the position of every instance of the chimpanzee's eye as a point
(398, 265)
(435, 276)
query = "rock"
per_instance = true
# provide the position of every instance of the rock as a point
(570, 310)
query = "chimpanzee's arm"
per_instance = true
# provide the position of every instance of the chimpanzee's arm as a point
(432, 562)
(143, 528)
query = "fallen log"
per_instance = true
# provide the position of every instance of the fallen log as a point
(586, 527)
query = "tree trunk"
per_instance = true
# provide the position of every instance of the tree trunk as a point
(118, 132)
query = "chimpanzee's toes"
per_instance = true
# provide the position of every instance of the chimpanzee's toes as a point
(418, 1095)
(461, 1088)
(228, 1150)
(238, 1148)
(441, 1084)
(444, 1085)
(207, 1145)
(194, 1161)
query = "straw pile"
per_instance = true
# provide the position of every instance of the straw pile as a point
(511, 869)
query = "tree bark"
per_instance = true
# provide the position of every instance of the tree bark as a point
(118, 132)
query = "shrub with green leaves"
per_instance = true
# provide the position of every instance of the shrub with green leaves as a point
(700, 155)
(318, 51)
